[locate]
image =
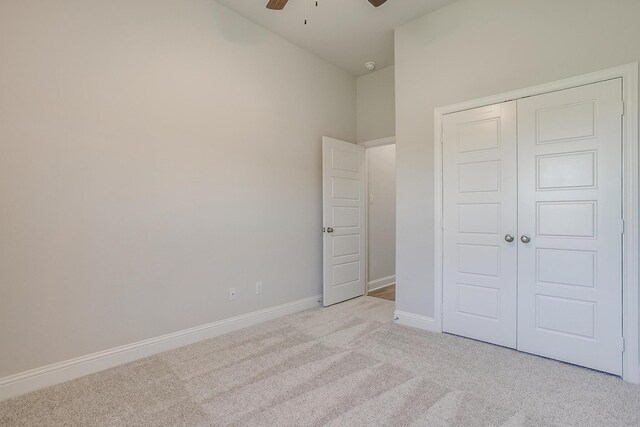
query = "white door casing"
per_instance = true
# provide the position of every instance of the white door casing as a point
(629, 74)
(343, 195)
(479, 217)
(562, 277)
(570, 206)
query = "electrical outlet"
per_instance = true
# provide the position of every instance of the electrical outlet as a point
(258, 288)
(232, 294)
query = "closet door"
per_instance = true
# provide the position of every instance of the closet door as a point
(479, 220)
(569, 208)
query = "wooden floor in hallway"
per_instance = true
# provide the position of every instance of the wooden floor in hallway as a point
(388, 293)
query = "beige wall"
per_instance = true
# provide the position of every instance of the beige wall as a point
(476, 48)
(376, 105)
(154, 153)
(381, 171)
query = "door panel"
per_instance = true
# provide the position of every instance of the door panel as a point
(344, 220)
(480, 208)
(570, 274)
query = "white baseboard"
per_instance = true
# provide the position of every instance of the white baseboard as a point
(381, 283)
(416, 321)
(24, 382)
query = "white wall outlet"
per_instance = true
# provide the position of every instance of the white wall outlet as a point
(232, 294)
(258, 288)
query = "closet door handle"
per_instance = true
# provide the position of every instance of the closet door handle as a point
(509, 238)
(525, 238)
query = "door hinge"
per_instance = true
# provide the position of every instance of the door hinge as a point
(442, 135)
(622, 226)
(622, 108)
(622, 343)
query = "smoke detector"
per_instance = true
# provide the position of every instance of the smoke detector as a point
(370, 66)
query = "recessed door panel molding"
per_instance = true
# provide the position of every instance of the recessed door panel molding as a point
(483, 260)
(564, 316)
(343, 193)
(479, 218)
(479, 210)
(342, 217)
(345, 188)
(566, 267)
(345, 160)
(477, 177)
(479, 301)
(566, 122)
(566, 171)
(566, 219)
(346, 245)
(347, 273)
(570, 208)
(479, 136)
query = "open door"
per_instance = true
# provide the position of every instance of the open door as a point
(343, 195)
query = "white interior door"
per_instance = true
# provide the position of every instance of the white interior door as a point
(570, 210)
(343, 192)
(480, 220)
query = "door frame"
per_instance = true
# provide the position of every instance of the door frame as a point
(372, 143)
(630, 188)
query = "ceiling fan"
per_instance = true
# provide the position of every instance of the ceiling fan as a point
(280, 4)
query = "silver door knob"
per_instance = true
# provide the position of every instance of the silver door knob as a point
(525, 238)
(509, 238)
(329, 230)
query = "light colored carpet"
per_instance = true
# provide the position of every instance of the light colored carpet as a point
(346, 365)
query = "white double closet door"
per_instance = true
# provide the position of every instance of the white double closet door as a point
(532, 208)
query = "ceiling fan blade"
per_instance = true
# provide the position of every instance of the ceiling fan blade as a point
(277, 4)
(377, 3)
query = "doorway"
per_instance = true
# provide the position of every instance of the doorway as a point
(381, 221)
(358, 191)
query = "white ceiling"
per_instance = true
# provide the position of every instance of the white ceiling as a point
(347, 33)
